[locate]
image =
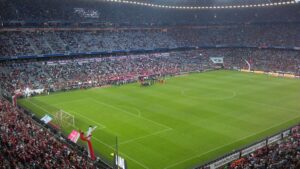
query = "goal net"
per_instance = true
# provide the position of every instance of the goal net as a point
(64, 119)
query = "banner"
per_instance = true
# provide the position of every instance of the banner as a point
(274, 138)
(286, 133)
(29, 92)
(74, 136)
(217, 60)
(253, 148)
(297, 48)
(46, 119)
(225, 160)
(289, 75)
(120, 162)
(244, 70)
(259, 72)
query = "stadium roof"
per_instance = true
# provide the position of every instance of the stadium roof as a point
(210, 2)
(206, 4)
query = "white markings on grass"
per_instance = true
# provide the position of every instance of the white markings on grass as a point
(142, 137)
(38, 106)
(127, 141)
(133, 108)
(132, 114)
(71, 101)
(274, 106)
(101, 125)
(109, 146)
(225, 145)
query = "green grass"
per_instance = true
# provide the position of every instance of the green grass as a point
(181, 124)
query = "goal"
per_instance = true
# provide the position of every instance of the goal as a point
(64, 119)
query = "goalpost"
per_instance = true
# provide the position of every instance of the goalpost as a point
(64, 119)
(249, 65)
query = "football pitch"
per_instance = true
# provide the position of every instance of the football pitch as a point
(183, 123)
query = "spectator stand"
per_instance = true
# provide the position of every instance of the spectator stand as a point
(237, 159)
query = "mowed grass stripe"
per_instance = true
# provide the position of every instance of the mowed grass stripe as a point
(191, 124)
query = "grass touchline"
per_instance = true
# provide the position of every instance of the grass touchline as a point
(183, 123)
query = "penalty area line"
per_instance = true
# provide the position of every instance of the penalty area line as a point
(133, 108)
(140, 164)
(100, 125)
(71, 101)
(142, 137)
(129, 113)
(38, 106)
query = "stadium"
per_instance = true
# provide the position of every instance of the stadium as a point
(150, 84)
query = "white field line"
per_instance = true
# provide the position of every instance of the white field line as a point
(126, 141)
(101, 125)
(96, 138)
(199, 155)
(142, 137)
(127, 112)
(274, 106)
(71, 101)
(109, 146)
(137, 110)
(38, 106)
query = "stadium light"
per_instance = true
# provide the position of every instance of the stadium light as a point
(134, 2)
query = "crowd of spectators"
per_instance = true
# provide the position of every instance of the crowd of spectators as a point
(265, 60)
(284, 154)
(240, 35)
(26, 144)
(69, 41)
(67, 73)
(53, 75)
(60, 74)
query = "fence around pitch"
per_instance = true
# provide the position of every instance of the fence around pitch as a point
(230, 157)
